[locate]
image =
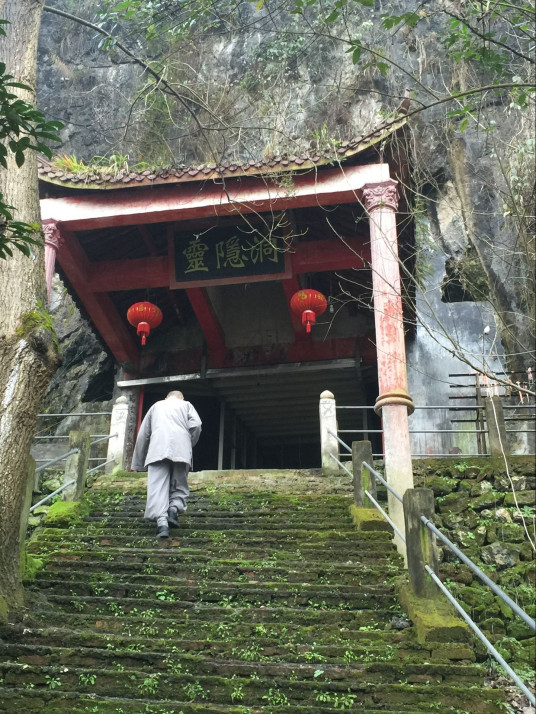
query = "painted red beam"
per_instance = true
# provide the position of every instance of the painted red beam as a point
(107, 276)
(198, 200)
(110, 325)
(153, 272)
(323, 255)
(209, 323)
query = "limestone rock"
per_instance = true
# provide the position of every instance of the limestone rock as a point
(524, 498)
(51, 485)
(487, 500)
(454, 503)
(502, 515)
(506, 532)
(502, 555)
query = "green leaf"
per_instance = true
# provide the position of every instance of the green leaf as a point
(19, 158)
(463, 124)
(332, 16)
(259, 5)
(20, 85)
(382, 68)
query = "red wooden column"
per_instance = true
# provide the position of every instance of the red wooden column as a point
(52, 242)
(393, 402)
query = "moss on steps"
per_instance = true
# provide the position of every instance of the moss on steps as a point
(259, 603)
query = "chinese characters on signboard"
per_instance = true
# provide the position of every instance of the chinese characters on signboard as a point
(227, 255)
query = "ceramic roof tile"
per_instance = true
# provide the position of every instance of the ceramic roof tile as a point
(103, 177)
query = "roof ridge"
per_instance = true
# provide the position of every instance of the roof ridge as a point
(95, 177)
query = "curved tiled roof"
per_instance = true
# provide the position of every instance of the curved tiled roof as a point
(106, 178)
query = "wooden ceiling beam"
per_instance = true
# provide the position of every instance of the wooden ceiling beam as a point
(109, 324)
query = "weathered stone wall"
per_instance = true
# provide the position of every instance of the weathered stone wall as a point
(476, 509)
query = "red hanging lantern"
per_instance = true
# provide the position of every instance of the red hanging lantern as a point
(308, 304)
(144, 316)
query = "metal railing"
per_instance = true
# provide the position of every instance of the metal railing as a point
(487, 581)
(64, 456)
(478, 432)
(51, 495)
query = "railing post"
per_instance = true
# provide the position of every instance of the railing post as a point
(497, 440)
(76, 465)
(420, 541)
(363, 479)
(118, 433)
(328, 426)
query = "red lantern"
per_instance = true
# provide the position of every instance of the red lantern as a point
(144, 316)
(308, 304)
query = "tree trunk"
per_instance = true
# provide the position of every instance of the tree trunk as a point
(28, 352)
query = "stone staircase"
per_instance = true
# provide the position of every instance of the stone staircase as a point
(261, 602)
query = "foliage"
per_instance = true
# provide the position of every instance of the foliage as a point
(22, 128)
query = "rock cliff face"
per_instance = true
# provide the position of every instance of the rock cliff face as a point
(259, 83)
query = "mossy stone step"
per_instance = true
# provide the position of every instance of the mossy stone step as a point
(247, 592)
(14, 701)
(220, 569)
(189, 523)
(384, 664)
(294, 683)
(144, 530)
(195, 611)
(329, 642)
(164, 555)
(255, 598)
(365, 628)
(239, 571)
(259, 604)
(174, 551)
(221, 541)
(77, 649)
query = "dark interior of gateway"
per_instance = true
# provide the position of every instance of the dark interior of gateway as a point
(270, 419)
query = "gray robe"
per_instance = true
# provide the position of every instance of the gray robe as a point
(169, 430)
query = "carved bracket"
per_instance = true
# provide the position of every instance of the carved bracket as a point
(381, 195)
(52, 233)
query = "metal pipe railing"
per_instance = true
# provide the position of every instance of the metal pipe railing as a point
(104, 438)
(440, 406)
(419, 431)
(96, 468)
(55, 461)
(50, 495)
(491, 649)
(65, 436)
(380, 478)
(342, 465)
(340, 441)
(76, 414)
(487, 581)
(384, 514)
(472, 566)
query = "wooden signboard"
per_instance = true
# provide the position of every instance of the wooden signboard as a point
(221, 256)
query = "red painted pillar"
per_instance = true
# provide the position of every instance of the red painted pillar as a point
(393, 402)
(52, 242)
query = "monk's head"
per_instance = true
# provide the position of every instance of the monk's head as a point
(176, 394)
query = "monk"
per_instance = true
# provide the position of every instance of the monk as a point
(166, 438)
